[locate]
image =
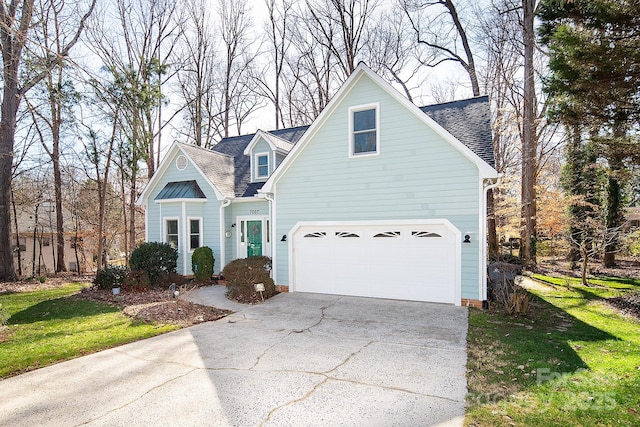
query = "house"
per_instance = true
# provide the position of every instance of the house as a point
(376, 198)
(34, 244)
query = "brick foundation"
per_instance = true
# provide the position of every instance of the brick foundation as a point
(282, 288)
(471, 303)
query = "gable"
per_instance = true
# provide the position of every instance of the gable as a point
(185, 163)
(362, 88)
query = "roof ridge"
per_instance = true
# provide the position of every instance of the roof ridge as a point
(206, 150)
(473, 98)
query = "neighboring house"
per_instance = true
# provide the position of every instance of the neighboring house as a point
(36, 243)
(376, 198)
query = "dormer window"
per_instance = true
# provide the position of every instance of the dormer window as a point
(262, 166)
(363, 130)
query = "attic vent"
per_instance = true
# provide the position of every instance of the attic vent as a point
(424, 234)
(316, 234)
(345, 234)
(388, 234)
(181, 162)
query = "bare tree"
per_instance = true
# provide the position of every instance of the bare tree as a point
(390, 49)
(439, 29)
(135, 40)
(198, 75)
(15, 28)
(238, 89)
(342, 28)
(277, 32)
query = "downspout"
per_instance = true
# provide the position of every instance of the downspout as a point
(487, 187)
(272, 226)
(223, 247)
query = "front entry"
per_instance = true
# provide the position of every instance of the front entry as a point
(254, 237)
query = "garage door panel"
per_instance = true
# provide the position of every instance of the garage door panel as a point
(414, 262)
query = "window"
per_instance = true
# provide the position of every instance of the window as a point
(76, 242)
(171, 236)
(46, 241)
(262, 165)
(22, 247)
(364, 130)
(194, 234)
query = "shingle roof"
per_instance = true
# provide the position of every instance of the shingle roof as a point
(234, 147)
(216, 166)
(469, 121)
(181, 190)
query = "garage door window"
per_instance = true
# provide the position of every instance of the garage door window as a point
(318, 234)
(424, 234)
(345, 234)
(388, 234)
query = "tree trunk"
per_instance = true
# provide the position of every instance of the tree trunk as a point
(132, 213)
(10, 101)
(585, 265)
(492, 235)
(614, 214)
(15, 221)
(528, 231)
(57, 179)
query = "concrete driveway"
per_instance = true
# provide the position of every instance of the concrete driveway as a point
(295, 360)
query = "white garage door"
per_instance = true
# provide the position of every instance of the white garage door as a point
(408, 261)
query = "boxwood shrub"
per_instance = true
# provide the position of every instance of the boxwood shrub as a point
(110, 276)
(154, 258)
(202, 262)
(242, 274)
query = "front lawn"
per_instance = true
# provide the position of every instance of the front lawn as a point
(47, 326)
(573, 361)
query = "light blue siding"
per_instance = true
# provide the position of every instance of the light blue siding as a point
(417, 175)
(261, 147)
(257, 208)
(208, 210)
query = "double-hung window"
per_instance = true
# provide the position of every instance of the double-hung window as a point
(364, 132)
(262, 166)
(195, 234)
(171, 232)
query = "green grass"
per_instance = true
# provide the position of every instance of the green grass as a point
(572, 361)
(47, 326)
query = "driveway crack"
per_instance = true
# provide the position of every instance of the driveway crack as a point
(139, 397)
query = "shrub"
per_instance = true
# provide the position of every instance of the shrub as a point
(137, 280)
(242, 274)
(154, 258)
(503, 288)
(111, 276)
(202, 262)
(42, 279)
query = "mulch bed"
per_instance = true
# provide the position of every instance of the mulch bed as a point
(628, 304)
(156, 305)
(151, 306)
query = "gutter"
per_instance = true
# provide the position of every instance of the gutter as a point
(496, 182)
(225, 202)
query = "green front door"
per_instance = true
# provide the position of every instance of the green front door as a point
(254, 238)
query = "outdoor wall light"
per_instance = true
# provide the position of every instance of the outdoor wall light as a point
(284, 238)
(467, 239)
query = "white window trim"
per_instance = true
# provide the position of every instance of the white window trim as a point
(376, 106)
(241, 247)
(256, 169)
(201, 237)
(165, 229)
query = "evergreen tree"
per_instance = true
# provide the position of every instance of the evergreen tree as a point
(594, 49)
